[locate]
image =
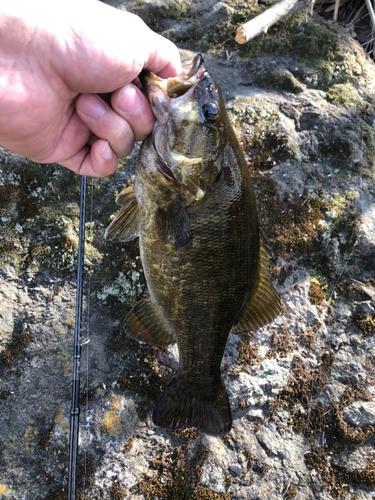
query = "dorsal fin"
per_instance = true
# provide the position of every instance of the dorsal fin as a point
(264, 304)
(124, 226)
(144, 323)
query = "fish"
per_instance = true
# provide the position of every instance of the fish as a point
(204, 254)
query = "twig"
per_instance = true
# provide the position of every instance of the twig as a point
(336, 10)
(358, 13)
(260, 24)
(338, 3)
(287, 488)
(372, 20)
(371, 12)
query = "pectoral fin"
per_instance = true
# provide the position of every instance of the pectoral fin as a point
(264, 305)
(125, 196)
(124, 226)
(144, 324)
(173, 224)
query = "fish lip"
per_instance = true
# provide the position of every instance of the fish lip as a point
(193, 72)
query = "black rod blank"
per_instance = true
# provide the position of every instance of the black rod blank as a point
(74, 411)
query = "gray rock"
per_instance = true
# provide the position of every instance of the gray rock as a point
(361, 413)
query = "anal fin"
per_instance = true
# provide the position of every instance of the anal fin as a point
(124, 226)
(144, 324)
(264, 304)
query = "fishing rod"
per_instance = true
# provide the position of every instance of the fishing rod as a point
(74, 410)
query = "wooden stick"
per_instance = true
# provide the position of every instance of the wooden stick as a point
(336, 10)
(372, 21)
(260, 24)
(371, 13)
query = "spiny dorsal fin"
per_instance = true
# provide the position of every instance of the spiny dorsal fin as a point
(145, 324)
(264, 305)
(124, 226)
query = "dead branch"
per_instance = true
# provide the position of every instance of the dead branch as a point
(372, 21)
(260, 24)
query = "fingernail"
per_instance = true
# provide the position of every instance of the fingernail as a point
(93, 107)
(129, 100)
(106, 152)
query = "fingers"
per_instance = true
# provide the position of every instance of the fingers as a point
(131, 104)
(96, 134)
(73, 150)
(131, 118)
(97, 161)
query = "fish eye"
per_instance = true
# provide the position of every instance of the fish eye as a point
(210, 112)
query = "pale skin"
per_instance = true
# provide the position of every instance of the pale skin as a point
(55, 60)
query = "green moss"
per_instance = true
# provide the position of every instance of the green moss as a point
(341, 229)
(344, 94)
(281, 80)
(367, 325)
(280, 38)
(164, 9)
(368, 134)
(317, 41)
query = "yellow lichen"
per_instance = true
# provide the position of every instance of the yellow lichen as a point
(112, 421)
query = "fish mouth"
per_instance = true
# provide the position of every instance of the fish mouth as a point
(192, 72)
(155, 87)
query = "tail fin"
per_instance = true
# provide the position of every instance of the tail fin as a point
(184, 405)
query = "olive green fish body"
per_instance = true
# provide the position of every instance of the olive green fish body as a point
(204, 261)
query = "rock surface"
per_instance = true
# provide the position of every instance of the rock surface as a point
(301, 99)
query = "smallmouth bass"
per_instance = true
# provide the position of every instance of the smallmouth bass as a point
(203, 252)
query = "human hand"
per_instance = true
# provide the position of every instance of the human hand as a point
(54, 61)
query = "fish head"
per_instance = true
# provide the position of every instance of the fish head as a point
(189, 127)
